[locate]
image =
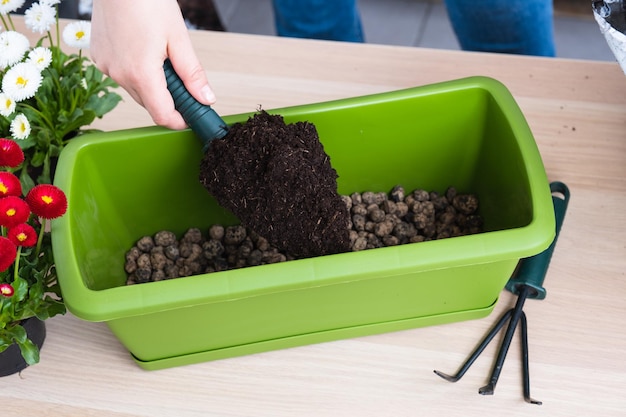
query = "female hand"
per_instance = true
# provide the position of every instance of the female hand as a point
(130, 40)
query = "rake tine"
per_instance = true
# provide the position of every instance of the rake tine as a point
(506, 343)
(483, 344)
(525, 368)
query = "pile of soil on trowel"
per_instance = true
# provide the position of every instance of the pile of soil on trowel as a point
(277, 179)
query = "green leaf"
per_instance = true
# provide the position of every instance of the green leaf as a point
(28, 143)
(53, 308)
(38, 158)
(101, 105)
(20, 286)
(26, 180)
(4, 343)
(30, 352)
(17, 334)
(7, 313)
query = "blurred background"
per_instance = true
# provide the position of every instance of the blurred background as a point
(421, 23)
(425, 23)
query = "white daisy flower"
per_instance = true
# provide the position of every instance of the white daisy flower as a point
(40, 17)
(9, 6)
(83, 83)
(21, 81)
(41, 57)
(13, 46)
(77, 34)
(7, 105)
(20, 127)
(50, 2)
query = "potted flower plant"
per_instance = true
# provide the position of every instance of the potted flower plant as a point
(28, 282)
(46, 95)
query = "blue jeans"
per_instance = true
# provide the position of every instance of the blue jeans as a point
(337, 20)
(508, 26)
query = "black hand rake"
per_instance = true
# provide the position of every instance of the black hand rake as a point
(526, 282)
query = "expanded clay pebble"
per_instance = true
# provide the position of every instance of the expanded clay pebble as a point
(164, 257)
(377, 220)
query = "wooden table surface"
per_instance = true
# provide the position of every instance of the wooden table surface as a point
(577, 112)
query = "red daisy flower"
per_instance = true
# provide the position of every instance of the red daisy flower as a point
(6, 290)
(47, 201)
(13, 211)
(22, 235)
(11, 155)
(8, 252)
(9, 185)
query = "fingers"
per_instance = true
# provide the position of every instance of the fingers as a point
(147, 86)
(136, 62)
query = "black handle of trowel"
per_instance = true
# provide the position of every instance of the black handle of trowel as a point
(202, 119)
(531, 271)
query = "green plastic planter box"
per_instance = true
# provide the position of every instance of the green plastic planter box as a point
(466, 133)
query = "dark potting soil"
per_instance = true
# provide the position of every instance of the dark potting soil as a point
(277, 179)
